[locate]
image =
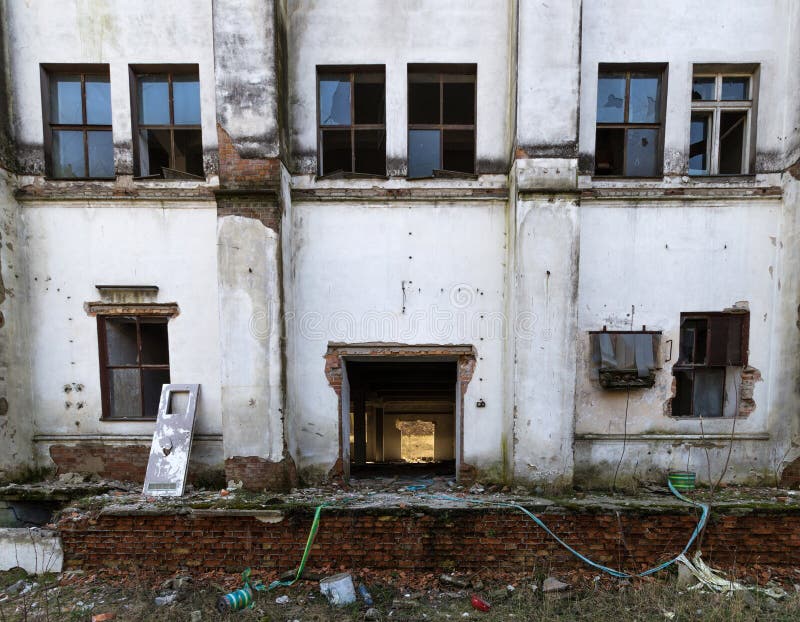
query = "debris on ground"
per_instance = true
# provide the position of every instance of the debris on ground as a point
(551, 584)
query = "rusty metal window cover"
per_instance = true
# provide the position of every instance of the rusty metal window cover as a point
(629, 137)
(134, 364)
(76, 106)
(722, 131)
(171, 136)
(351, 121)
(626, 359)
(442, 144)
(710, 343)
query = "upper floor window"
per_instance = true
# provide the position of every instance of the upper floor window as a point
(166, 122)
(77, 116)
(352, 120)
(441, 120)
(721, 132)
(629, 133)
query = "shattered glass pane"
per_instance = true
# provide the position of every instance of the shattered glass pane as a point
(98, 100)
(68, 160)
(334, 101)
(154, 149)
(101, 154)
(611, 98)
(423, 152)
(641, 155)
(699, 136)
(645, 98)
(703, 89)
(66, 105)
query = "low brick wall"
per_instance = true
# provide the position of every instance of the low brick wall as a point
(422, 540)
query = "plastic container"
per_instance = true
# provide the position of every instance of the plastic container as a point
(682, 481)
(338, 589)
(235, 601)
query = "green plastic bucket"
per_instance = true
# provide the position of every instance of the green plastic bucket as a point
(682, 481)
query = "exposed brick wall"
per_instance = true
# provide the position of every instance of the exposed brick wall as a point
(422, 540)
(121, 462)
(260, 207)
(790, 477)
(258, 474)
(238, 172)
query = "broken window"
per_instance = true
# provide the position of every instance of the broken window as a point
(720, 137)
(166, 128)
(629, 121)
(134, 364)
(77, 114)
(625, 359)
(709, 344)
(441, 120)
(352, 121)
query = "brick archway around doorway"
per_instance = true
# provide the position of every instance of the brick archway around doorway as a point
(463, 355)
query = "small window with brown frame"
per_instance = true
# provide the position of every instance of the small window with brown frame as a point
(722, 132)
(134, 364)
(168, 141)
(710, 344)
(76, 100)
(441, 120)
(351, 120)
(629, 131)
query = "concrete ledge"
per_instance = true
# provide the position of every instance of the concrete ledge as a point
(547, 175)
(34, 550)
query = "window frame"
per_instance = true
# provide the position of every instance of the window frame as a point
(446, 74)
(351, 71)
(714, 109)
(634, 69)
(105, 366)
(691, 368)
(48, 71)
(136, 72)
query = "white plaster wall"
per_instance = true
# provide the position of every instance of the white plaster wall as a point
(664, 259)
(115, 32)
(72, 249)
(348, 264)
(358, 32)
(680, 33)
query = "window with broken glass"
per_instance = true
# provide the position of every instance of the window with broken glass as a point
(352, 121)
(134, 364)
(630, 104)
(710, 344)
(78, 141)
(720, 133)
(625, 359)
(166, 113)
(441, 120)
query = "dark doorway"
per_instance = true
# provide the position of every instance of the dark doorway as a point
(402, 417)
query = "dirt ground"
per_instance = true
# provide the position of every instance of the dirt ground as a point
(77, 597)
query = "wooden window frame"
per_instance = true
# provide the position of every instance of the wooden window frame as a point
(351, 72)
(693, 367)
(446, 74)
(105, 366)
(137, 72)
(48, 72)
(636, 70)
(714, 109)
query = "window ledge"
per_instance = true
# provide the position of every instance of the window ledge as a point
(130, 420)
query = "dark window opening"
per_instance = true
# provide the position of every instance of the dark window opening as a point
(710, 343)
(402, 417)
(629, 123)
(167, 135)
(134, 364)
(352, 121)
(441, 121)
(731, 141)
(77, 114)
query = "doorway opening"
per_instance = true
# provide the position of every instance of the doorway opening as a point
(402, 417)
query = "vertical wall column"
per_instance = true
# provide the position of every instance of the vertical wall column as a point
(249, 63)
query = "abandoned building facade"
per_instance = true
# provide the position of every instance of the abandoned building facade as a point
(547, 243)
